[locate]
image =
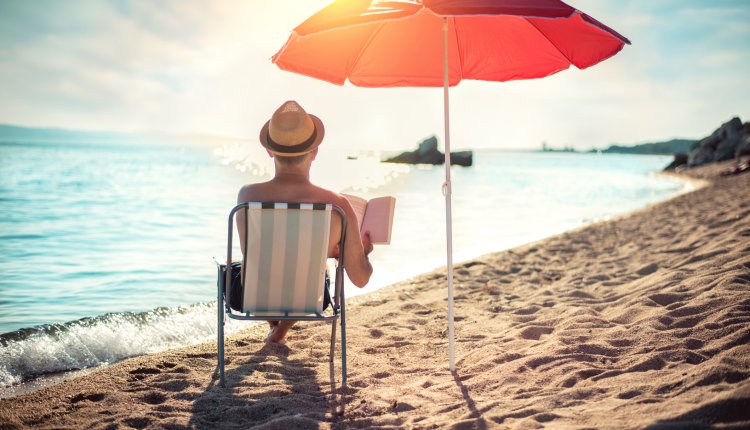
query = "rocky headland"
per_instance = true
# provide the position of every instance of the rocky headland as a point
(730, 141)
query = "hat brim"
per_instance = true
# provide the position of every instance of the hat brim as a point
(319, 130)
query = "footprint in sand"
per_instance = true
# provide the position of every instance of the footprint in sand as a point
(693, 344)
(91, 397)
(527, 311)
(647, 269)
(137, 422)
(629, 394)
(589, 280)
(143, 372)
(545, 417)
(535, 332)
(581, 295)
(415, 322)
(170, 367)
(154, 398)
(665, 299)
(166, 365)
(203, 355)
(402, 407)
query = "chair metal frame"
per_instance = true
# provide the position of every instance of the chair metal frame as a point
(224, 283)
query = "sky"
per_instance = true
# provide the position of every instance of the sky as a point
(195, 66)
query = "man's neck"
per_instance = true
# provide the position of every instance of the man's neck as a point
(292, 175)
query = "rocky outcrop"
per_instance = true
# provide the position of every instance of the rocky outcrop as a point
(731, 140)
(427, 153)
(722, 144)
(680, 159)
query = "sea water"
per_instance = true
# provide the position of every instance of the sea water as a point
(106, 247)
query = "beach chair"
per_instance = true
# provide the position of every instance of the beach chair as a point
(283, 271)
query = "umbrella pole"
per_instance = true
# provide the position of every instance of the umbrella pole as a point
(447, 194)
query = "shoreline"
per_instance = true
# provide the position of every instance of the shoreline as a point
(620, 301)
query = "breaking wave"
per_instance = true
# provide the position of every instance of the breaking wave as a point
(52, 348)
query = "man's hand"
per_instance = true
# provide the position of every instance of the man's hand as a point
(366, 243)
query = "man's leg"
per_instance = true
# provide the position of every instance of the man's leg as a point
(278, 332)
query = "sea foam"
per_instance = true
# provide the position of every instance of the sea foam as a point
(88, 342)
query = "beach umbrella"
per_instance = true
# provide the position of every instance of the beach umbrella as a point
(437, 43)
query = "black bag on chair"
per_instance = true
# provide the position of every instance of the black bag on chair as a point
(235, 290)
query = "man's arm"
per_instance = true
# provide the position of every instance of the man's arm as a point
(242, 196)
(357, 249)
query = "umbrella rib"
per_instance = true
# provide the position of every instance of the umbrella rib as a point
(622, 45)
(549, 40)
(364, 48)
(460, 58)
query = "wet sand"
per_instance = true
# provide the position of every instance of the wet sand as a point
(642, 321)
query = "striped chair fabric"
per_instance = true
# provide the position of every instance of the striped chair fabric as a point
(285, 258)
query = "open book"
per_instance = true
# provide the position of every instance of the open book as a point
(375, 216)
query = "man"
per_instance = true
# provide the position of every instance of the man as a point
(291, 137)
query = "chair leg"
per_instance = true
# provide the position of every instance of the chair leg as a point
(220, 340)
(343, 350)
(221, 354)
(342, 307)
(333, 341)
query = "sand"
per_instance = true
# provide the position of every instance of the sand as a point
(638, 322)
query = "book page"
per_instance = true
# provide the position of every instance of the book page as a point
(375, 216)
(378, 219)
(359, 205)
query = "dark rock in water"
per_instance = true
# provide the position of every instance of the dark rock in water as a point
(462, 158)
(722, 144)
(427, 153)
(680, 159)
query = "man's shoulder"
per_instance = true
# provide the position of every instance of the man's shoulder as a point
(328, 196)
(244, 191)
(251, 192)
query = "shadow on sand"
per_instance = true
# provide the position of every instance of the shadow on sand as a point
(729, 413)
(479, 422)
(254, 396)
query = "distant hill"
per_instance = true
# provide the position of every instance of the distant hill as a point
(669, 147)
(13, 134)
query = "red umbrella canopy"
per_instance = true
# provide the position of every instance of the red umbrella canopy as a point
(399, 43)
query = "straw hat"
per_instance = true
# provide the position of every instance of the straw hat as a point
(291, 131)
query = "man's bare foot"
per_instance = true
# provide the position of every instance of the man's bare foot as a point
(277, 334)
(274, 337)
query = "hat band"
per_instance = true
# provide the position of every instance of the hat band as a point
(285, 149)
